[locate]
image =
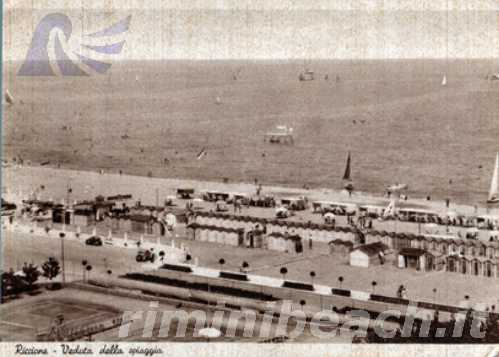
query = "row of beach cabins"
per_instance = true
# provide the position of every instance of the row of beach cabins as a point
(404, 214)
(115, 212)
(421, 252)
(88, 211)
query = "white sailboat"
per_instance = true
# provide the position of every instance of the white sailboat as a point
(444, 81)
(494, 184)
(8, 97)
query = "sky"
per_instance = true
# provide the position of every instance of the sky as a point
(287, 29)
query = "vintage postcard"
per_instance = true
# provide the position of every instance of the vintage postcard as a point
(250, 177)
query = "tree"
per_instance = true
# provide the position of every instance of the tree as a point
(51, 268)
(8, 283)
(340, 279)
(161, 255)
(312, 276)
(221, 262)
(302, 303)
(31, 274)
(84, 264)
(284, 271)
(88, 268)
(374, 283)
(244, 266)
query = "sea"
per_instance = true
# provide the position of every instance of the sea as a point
(394, 117)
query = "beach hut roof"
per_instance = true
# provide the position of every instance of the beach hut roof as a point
(372, 248)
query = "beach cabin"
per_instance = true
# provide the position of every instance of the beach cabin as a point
(255, 238)
(368, 254)
(338, 208)
(262, 201)
(294, 203)
(417, 215)
(487, 221)
(61, 215)
(284, 242)
(83, 217)
(214, 196)
(241, 197)
(204, 233)
(372, 211)
(340, 247)
(420, 259)
(185, 193)
(141, 224)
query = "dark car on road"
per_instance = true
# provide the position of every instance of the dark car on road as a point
(145, 256)
(94, 240)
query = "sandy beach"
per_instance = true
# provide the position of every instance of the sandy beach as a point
(24, 180)
(451, 286)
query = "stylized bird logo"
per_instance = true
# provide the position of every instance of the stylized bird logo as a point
(38, 61)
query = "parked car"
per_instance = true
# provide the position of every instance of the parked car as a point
(145, 256)
(94, 240)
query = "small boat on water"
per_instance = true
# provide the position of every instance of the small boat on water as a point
(494, 184)
(307, 75)
(282, 134)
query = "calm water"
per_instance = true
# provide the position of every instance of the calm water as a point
(395, 118)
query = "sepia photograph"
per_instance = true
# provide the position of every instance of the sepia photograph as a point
(223, 177)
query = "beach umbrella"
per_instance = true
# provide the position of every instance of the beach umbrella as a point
(210, 332)
(171, 198)
(398, 187)
(281, 209)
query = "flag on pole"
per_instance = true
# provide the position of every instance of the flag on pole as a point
(201, 154)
